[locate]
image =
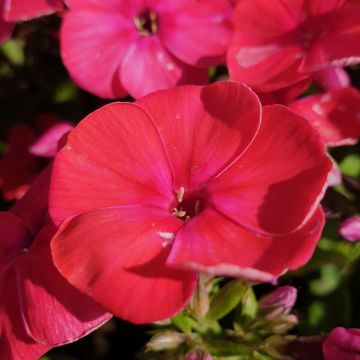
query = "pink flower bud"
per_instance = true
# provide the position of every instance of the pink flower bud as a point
(342, 344)
(282, 298)
(350, 228)
(198, 355)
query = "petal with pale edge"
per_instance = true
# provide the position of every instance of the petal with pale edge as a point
(204, 128)
(54, 311)
(113, 157)
(336, 115)
(117, 255)
(276, 185)
(215, 244)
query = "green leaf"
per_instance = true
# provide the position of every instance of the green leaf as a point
(316, 313)
(65, 92)
(13, 50)
(351, 165)
(249, 304)
(183, 323)
(228, 297)
(329, 280)
(219, 347)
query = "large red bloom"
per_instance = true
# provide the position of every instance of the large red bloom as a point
(38, 307)
(119, 47)
(278, 42)
(188, 179)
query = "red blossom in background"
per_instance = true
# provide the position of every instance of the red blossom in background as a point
(20, 10)
(122, 47)
(29, 151)
(335, 114)
(184, 180)
(342, 344)
(278, 43)
(38, 307)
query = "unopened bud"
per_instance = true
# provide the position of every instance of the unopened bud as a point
(198, 355)
(285, 323)
(350, 228)
(200, 302)
(280, 301)
(165, 340)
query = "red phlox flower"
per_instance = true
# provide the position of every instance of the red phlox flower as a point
(335, 114)
(121, 47)
(342, 344)
(185, 180)
(29, 152)
(38, 307)
(291, 40)
(20, 10)
(5, 26)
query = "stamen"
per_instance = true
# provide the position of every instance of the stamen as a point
(179, 213)
(197, 207)
(180, 194)
(153, 22)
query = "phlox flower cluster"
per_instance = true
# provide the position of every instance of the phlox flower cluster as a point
(216, 164)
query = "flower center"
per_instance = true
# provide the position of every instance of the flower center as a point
(189, 204)
(146, 23)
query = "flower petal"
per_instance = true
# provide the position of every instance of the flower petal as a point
(336, 115)
(94, 42)
(204, 128)
(47, 144)
(5, 30)
(19, 10)
(113, 157)
(197, 34)
(339, 43)
(213, 243)
(32, 208)
(149, 67)
(18, 167)
(276, 185)
(54, 311)
(122, 251)
(14, 237)
(265, 52)
(15, 344)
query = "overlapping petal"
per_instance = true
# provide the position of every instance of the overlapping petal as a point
(336, 115)
(217, 124)
(197, 34)
(339, 43)
(275, 186)
(18, 167)
(122, 251)
(149, 67)
(53, 311)
(114, 157)
(19, 10)
(93, 45)
(15, 343)
(217, 245)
